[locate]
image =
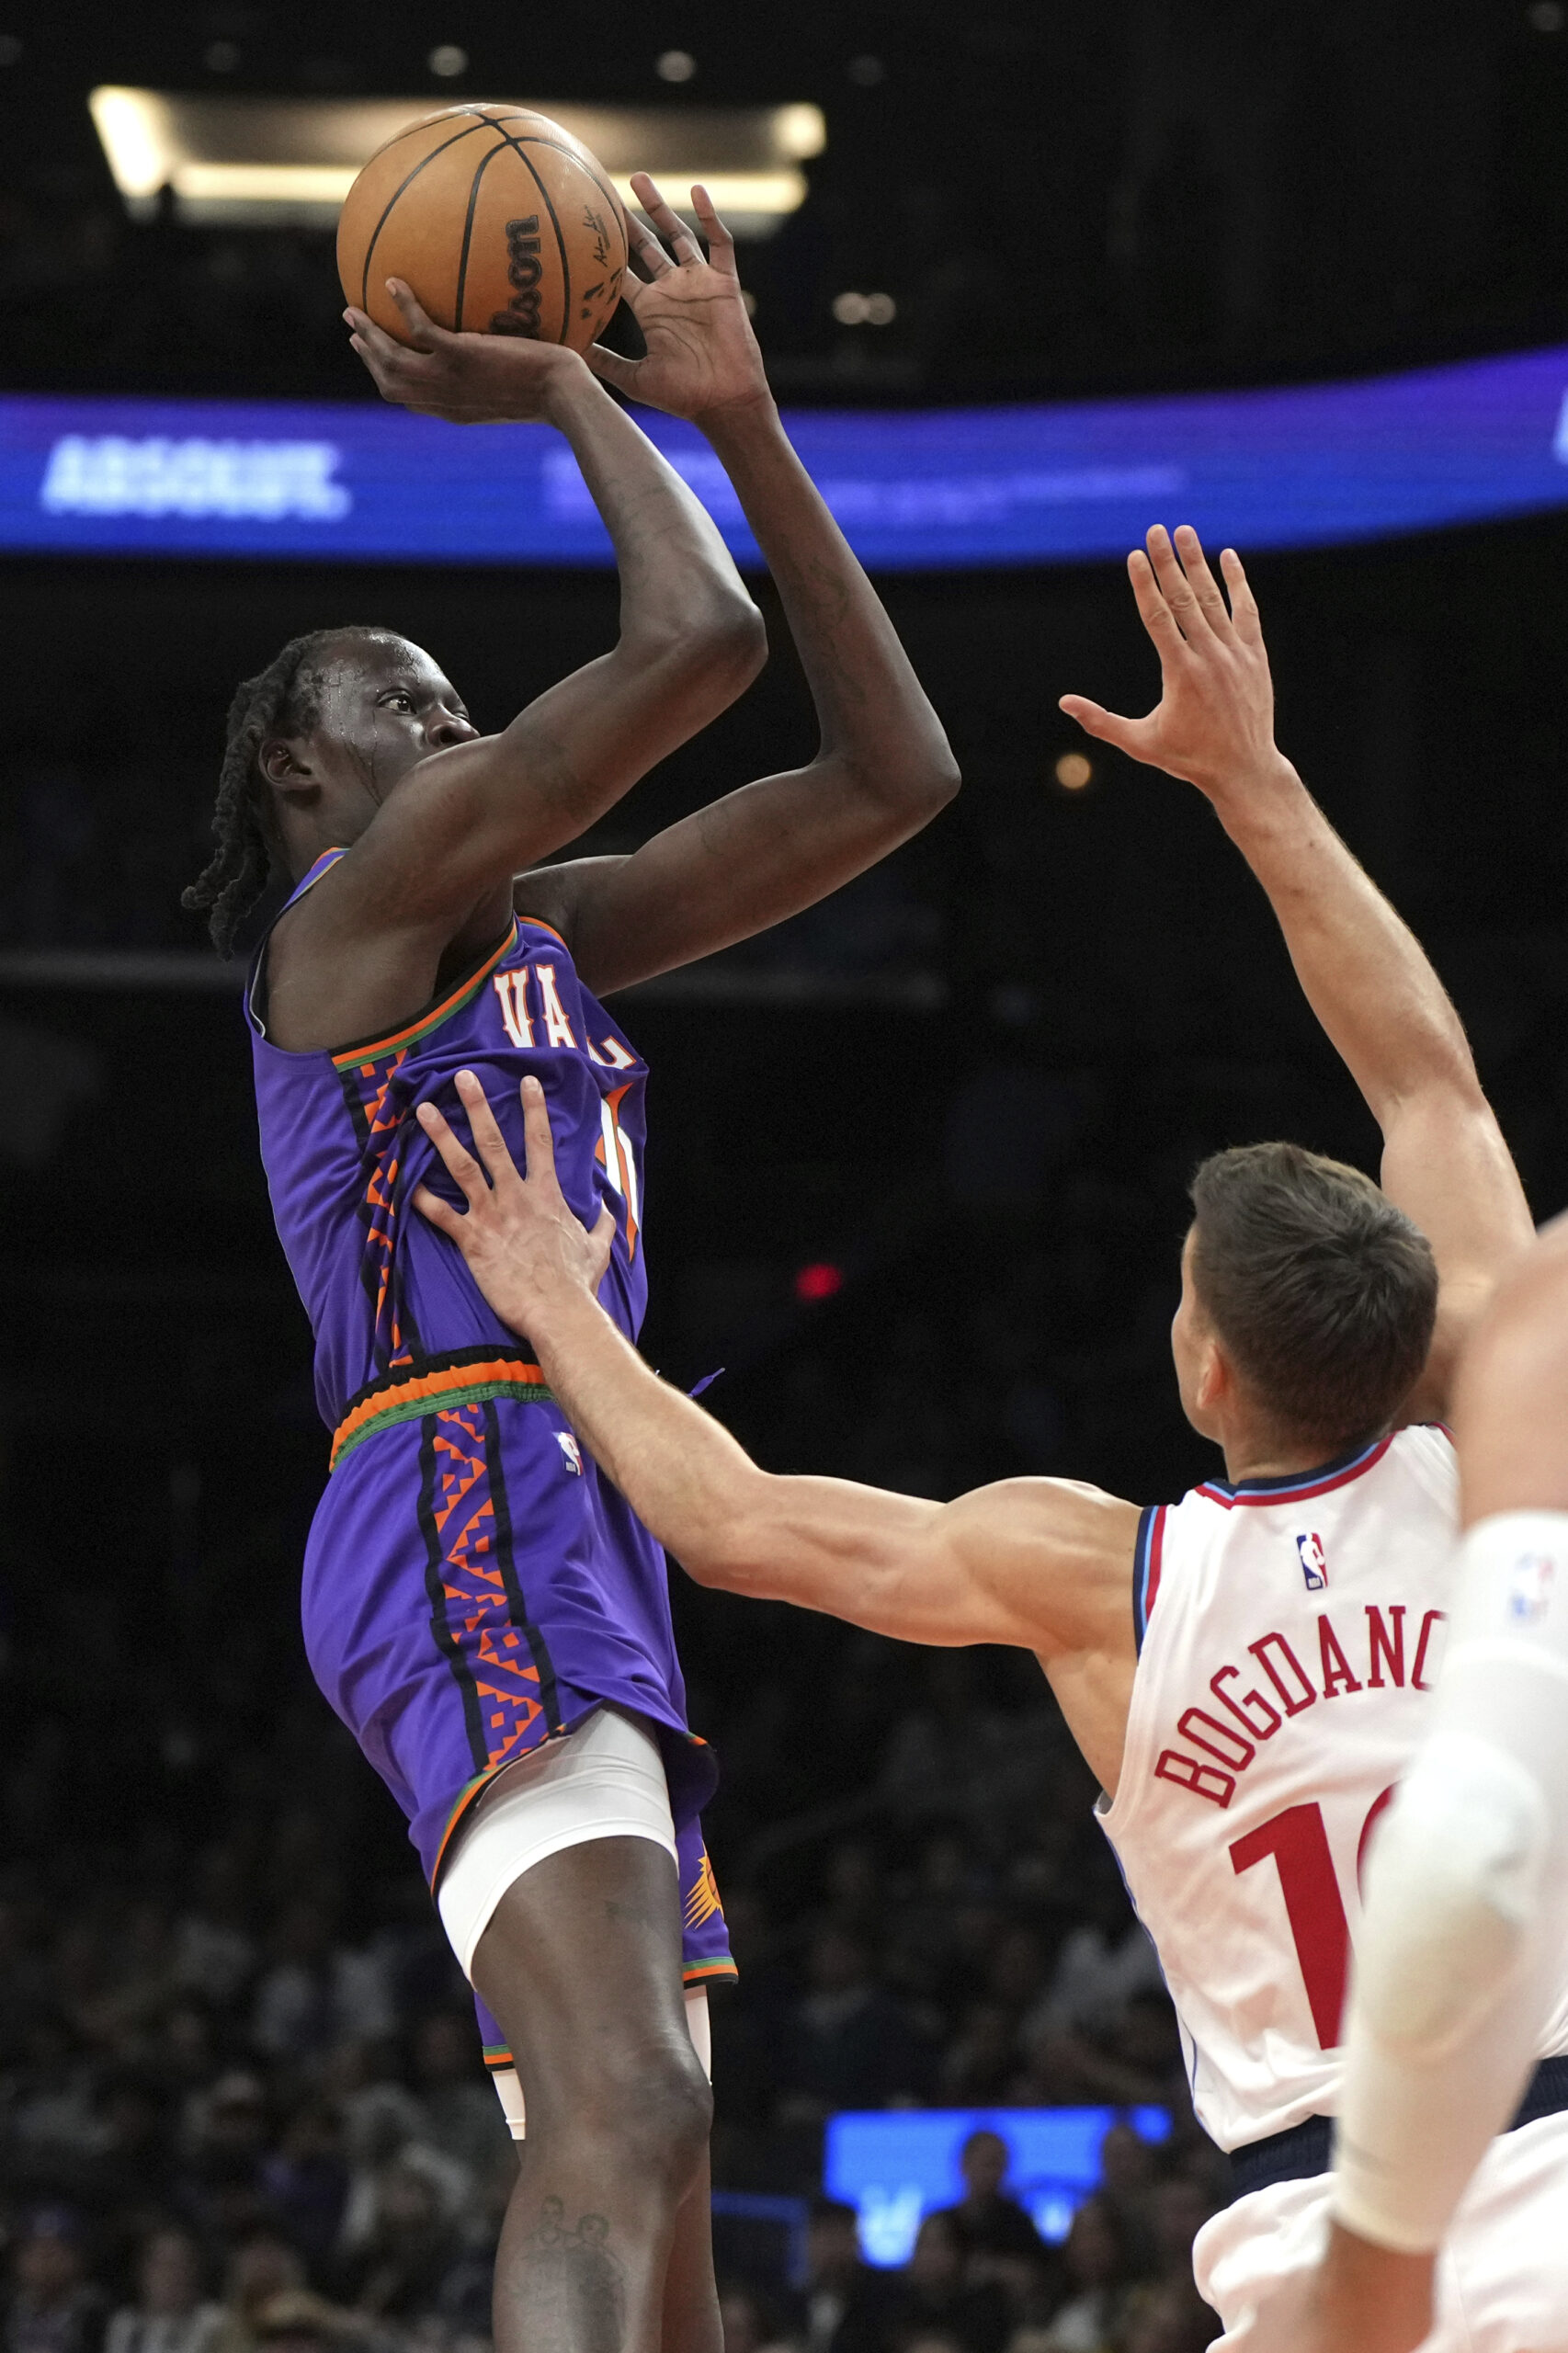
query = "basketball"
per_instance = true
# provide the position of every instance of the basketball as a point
(501, 221)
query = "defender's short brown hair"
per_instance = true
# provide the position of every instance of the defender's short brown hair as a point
(1322, 1294)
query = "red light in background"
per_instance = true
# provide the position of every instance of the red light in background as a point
(819, 1282)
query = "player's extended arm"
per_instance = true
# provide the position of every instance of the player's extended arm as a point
(883, 767)
(690, 640)
(1037, 1562)
(1364, 973)
(1459, 1960)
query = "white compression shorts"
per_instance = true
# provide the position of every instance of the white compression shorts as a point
(605, 1780)
(1460, 1961)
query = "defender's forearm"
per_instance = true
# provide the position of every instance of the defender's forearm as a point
(685, 1476)
(1363, 971)
(872, 708)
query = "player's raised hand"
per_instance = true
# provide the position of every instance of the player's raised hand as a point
(1214, 720)
(466, 378)
(702, 355)
(519, 1236)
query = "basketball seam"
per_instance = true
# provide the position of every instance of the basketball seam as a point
(467, 133)
(499, 148)
(408, 130)
(517, 147)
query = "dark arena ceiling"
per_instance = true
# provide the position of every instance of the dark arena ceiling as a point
(1013, 200)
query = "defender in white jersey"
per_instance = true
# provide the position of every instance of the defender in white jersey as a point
(1248, 1671)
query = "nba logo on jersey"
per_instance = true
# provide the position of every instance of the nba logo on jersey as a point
(1314, 1563)
(571, 1450)
(1529, 1593)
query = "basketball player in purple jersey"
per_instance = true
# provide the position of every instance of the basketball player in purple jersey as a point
(472, 1588)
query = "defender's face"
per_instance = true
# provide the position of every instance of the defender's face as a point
(1191, 1344)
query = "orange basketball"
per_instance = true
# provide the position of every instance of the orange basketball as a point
(499, 220)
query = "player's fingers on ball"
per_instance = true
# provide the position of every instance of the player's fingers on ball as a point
(721, 245)
(616, 370)
(648, 253)
(426, 334)
(668, 221)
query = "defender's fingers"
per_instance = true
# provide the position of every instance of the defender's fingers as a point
(536, 1130)
(426, 334)
(1200, 580)
(1152, 610)
(459, 1164)
(603, 1235)
(1108, 726)
(441, 1213)
(665, 219)
(488, 1140)
(1243, 603)
(1174, 585)
(721, 245)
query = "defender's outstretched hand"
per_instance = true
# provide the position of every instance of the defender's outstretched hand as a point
(519, 1236)
(467, 379)
(702, 356)
(1214, 720)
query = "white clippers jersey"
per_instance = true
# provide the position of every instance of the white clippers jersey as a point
(1290, 1631)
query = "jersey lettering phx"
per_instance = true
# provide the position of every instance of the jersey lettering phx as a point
(1253, 1716)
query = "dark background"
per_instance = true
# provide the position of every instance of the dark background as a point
(975, 1083)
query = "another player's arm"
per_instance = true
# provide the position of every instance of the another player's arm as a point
(1418, 2114)
(1040, 1563)
(883, 767)
(690, 640)
(1364, 973)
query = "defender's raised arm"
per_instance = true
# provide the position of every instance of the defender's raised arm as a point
(1364, 974)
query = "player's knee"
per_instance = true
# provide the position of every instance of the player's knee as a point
(650, 2111)
(1456, 1891)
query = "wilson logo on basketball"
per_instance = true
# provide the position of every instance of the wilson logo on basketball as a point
(523, 270)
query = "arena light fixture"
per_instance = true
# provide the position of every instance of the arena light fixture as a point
(243, 162)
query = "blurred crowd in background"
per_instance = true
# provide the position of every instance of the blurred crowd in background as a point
(241, 2097)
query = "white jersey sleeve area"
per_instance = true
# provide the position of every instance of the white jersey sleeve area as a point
(1292, 1632)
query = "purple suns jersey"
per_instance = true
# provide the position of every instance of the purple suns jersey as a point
(471, 1587)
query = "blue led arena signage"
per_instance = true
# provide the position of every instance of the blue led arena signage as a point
(894, 2166)
(913, 490)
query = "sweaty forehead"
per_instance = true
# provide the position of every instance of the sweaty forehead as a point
(347, 664)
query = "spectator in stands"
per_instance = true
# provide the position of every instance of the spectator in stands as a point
(986, 2221)
(1099, 2286)
(850, 2307)
(938, 2300)
(852, 2043)
(52, 2307)
(170, 2314)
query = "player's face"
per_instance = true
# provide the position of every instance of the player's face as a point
(383, 707)
(1191, 1345)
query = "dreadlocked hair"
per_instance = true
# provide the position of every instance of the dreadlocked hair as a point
(280, 700)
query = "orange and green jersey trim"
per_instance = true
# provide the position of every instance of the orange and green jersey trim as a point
(371, 1050)
(406, 1394)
